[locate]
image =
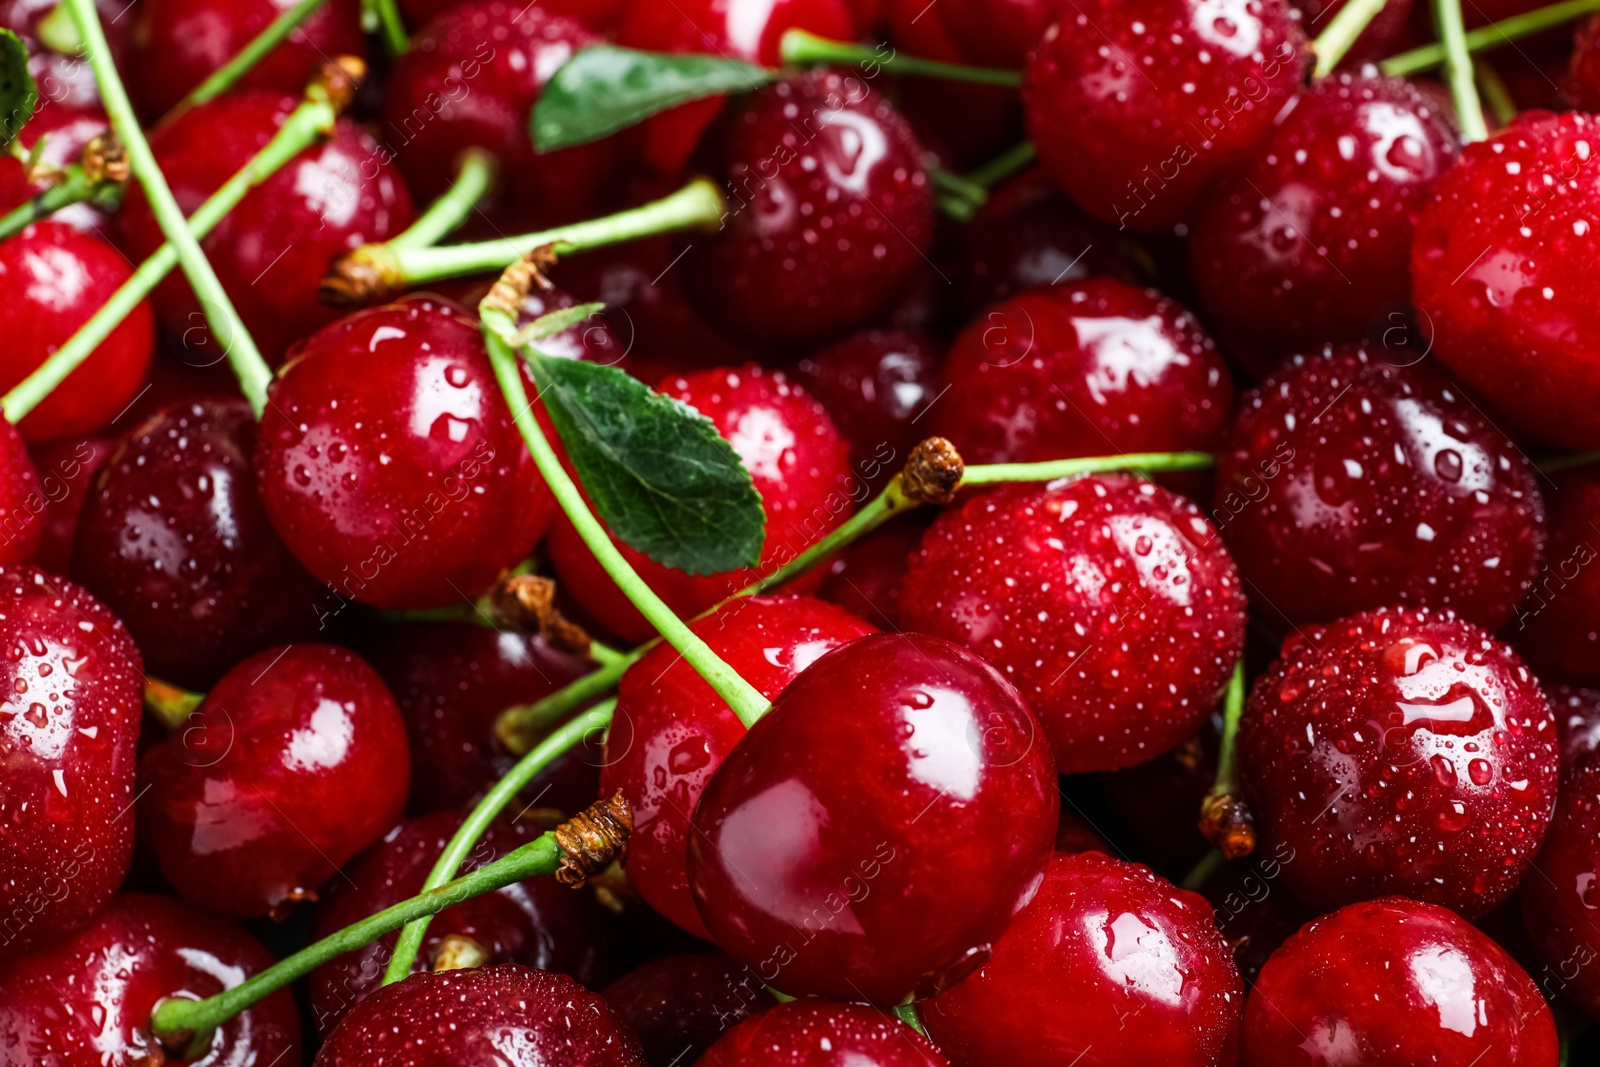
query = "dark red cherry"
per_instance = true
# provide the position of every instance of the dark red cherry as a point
(1073, 834)
(1253, 914)
(875, 385)
(174, 539)
(22, 504)
(1139, 109)
(68, 726)
(65, 77)
(1557, 627)
(87, 1002)
(1559, 895)
(830, 214)
(296, 761)
(598, 16)
(1385, 35)
(798, 462)
(1362, 476)
(506, 1014)
(812, 1034)
(1400, 983)
(823, 845)
(1400, 751)
(1583, 73)
(865, 579)
(1108, 964)
(389, 463)
(271, 251)
(66, 467)
(65, 130)
(680, 1005)
(996, 33)
(671, 731)
(1153, 805)
(961, 123)
(1083, 369)
(1501, 268)
(1577, 713)
(1311, 242)
(1108, 601)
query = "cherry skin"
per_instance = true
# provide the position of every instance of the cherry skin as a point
(809, 1034)
(830, 214)
(506, 1014)
(1139, 110)
(1583, 73)
(174, 539)
(87, 1001)
(996, 34)
(798, 462)
(1108, 601)
(822, 845)
(1154, 804)
(865, 580)
(874, 385)
(1103, 941)
(1396, 982)
(1557, 626)
(68, 128)
(1558, 894)
(389, 463)
(962, 123)
(1312, 241)
(270, 252)
(671, 731)
(1251, 917)
(680, 1005)
(1361, 477)
(22, 504)
(1577, 714)
(598, 16)
(67, 736)
(1400, 751)
(295, 762)
(66, 467)
(1500, 266)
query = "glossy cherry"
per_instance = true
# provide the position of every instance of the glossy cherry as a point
(599, 16)
(68, 726)
(823, 845)
(875, 385)
(509, 1014)
(22, 504)
(389, 463)
(865, 579)
(296, 761)
(680, 1005)
(1108, 601)
(1583, 74)
(1557, 626)
(1396, 982)
(65, 129)
(962, 123)
(1139, 110)
(1400, 751)
(798, 462)
(87, 1001)
(1558, 896)
(812, 1034)
(1360, 477)
(1108, 964)
(1252, 912)
(66, 468)
(1577, 713)
(996, 33)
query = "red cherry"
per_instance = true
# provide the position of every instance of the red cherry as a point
(809, 1034)
(996, 33)
(1400, 751)
(65, 130)
(175, 540)
(1559, 896)
(1362, 477)
(1501, 267)
(1108, 964)
(823, 845)
(1385, 35)
(1312, 242)
(1154, 804)
(1395, 982)
(1558, 623)
(1139, 109)
(1253, 918)
(1577, 713)
(65, 78)
(1583, 74)
(1108, 601)
(296, 761)
(1073, 834)
(67, 468)
(271, 251)
(798, 463)
(598, 16)
(680, 1005)
(22, 503)
(962, 123)
(389, 463)
(865, 580)
(67, 735)
(875, 385)
(513, 1014)
(87, 1001)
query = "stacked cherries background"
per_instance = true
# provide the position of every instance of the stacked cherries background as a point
(833, 533)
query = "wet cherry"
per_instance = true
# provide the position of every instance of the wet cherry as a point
(66, 467)
(1252, 913)
(1557, 625)
(1577, 714)
(875, 385)
(962, 123)
(812, 1034)
(598, 16)
(1583, 75)
(65, 129)
(680, 1005)
(1558, 896)
(865, 579)
(22, 504)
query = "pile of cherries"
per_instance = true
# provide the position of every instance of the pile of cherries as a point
(966, 832)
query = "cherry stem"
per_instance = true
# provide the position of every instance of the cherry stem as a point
(381, 16)
(1496, 97)
(227, 76)
(311, 120)
(1144, 462)
(483, 815)
(1204, 871)
(1340, 34)
(800, 48)
(1458, 70)
(446, 214)
(170, 705)
(223, 318)
(75, 187)
(908, 1014)
(1225, 819)
(1491, 36)
(1227, 780)
(520, 727)
(1004, 166)
(1562, 463)
(960, 198)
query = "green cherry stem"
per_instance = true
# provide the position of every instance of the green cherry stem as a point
(75, 187)
(800, 48)
(382, 17)
(908, 1014)
(1204, 871)
(1004, 166)
(1224, 819)
(1458, 70)
(227, 76)
(1496, 96)
(168, 704)
(519, 727)
(446, 214)
(1491, 36)
(1335, 40)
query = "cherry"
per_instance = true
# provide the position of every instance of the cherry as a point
(67, 735)
(830, 214)
(174, 539)
(1253, 918)
(1400, 751)
(270, 252)
(87, 1001)
(1500, 268)
(598, 16)
(1154, 804)
(809, 1034)
(875, 384)
(296, 761)
(1073, 834)
(65, 130)
(1107, 964)
(823, 845)
(1139, 110)
(671, 732)
(865, 580)
(67, 468)
(21, 502)
(1558, 623)
(680, 1005)
(962, 123)
(1109, 601)
(389, 463)
(1312, 241)
(798, 463)
(1083, 369)
(1583, 74)
(996, 33)
(1384, 36)
(1577, 713)
(1360, 477)
(61, 77)
(508, 1014)
(1558, 895)
(1396, 982)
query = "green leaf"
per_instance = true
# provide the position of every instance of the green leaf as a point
(658, 472)
(18, 94)
(603, 89)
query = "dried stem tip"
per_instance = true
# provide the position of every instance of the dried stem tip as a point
(592, 839)
(338, 81)
(363, 276)
(526, 603)
(1229, 825)
(520, 279)
(103, 160)
(933, 472)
